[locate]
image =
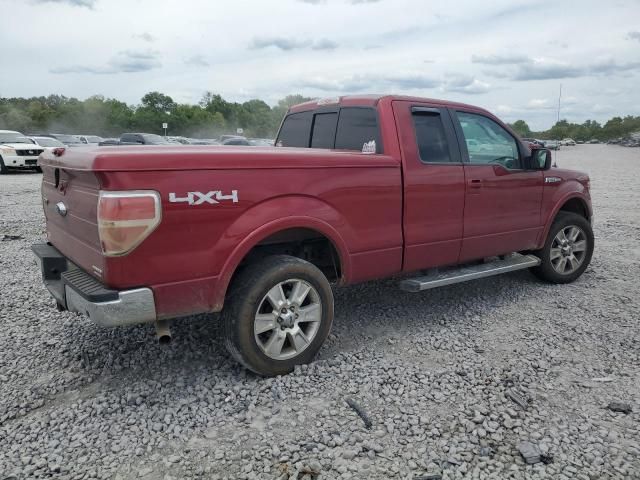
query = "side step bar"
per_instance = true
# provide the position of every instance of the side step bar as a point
(463, 274)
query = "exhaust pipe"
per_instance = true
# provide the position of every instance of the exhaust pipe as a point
(163, 332)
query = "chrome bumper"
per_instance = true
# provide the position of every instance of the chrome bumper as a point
(77, 291)
(132, 306)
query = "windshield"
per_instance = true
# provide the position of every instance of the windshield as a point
(48, 142)
(67, 138)
(155, 139)
(13, 137)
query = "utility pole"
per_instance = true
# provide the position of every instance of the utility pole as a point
(559, 97)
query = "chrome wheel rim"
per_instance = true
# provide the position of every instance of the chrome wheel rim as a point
(288, 319)
(568, 250)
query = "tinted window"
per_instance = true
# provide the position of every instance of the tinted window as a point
(432, 141)
(296, 130)
(487, 142)
(356, 127)
(324, 130)
(130, 137)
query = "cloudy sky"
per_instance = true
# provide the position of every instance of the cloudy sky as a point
(509, 56)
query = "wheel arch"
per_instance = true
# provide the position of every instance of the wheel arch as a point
(573, 202)
(275, 237)
(575, 205)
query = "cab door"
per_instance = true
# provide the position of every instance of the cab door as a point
(503, 197)
(434, 186)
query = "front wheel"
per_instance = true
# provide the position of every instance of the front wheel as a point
(278, 314)
(567, 251)
(3, 167)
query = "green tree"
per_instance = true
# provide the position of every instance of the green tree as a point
(521, 128)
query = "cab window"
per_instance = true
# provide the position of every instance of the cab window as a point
(487, 142)
(296, 130)
(433, 146)
(324, 130)
(358, 127)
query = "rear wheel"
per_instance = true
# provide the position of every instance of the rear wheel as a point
(278, 314)
(567, 251)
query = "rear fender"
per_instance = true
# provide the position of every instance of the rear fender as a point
(266, 218)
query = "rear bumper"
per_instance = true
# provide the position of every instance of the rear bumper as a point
(77, 291)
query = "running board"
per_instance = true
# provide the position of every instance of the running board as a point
(463, 274)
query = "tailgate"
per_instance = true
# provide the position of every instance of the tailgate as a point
(70, 201)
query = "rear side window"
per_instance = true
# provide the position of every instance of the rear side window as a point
(430, 135)
(296, 130)
(324, 130)
(357, 127)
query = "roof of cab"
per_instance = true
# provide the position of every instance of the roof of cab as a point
(372, 101)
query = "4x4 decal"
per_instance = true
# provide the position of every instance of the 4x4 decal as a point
(199, 198)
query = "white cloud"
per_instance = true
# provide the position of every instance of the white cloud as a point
(538, 103)
(317, 47)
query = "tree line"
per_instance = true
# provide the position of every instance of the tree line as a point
(108, 117)
(616, 127)
(213, 116)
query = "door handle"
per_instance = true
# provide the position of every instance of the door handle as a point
(475, 183)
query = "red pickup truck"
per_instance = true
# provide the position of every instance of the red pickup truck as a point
(356, 188)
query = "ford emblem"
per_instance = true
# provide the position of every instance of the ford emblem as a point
(61, 208)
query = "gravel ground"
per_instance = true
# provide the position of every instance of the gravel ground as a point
(439, 375)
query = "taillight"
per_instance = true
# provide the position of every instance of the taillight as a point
(125, 219)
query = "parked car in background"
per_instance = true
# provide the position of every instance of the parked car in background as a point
(552, 144)
(568, 142)
(182, 140)
(594, 140)
(68, 140)
(261, 142)
(143, 139)
(17, 151)
(534, 141)
(204, 141)
(236, 141)
(90, 139)
(227, 137)
(48, 143)
(137, 139)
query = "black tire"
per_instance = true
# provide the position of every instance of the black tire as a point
(546, 270)
(39, 169)
(3, 168)
(246, 296)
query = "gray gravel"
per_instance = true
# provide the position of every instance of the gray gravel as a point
(453, 380)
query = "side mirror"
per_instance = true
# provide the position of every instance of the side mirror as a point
(541, 159)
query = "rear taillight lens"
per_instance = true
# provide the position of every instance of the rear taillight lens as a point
(125, 219)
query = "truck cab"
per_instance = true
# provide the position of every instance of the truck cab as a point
(472, 189)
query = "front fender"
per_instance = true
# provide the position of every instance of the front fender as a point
(554, 200)
(266, 218)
